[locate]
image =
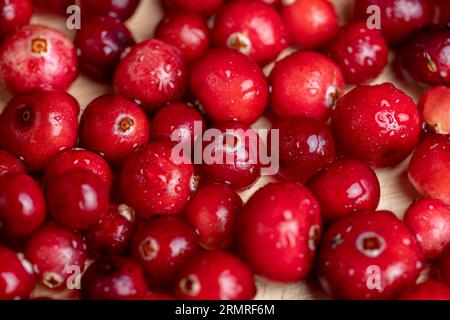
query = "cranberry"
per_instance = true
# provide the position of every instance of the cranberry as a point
(305, 147)
(77, 198)
(347, 186)
(122, 9)
(37, 57)
(311, 23)
(215, 275)
(435, 108)
(162, 246)
(444, 266)
(152, 183)
(399, 18)
(305, 83)
(378, 124)
(113, 278)
(233, 156)
(429, 290)
(10, 164)
(204, 7)
(13, 15)
(360, 52)
(156, 296)
(429, 168)
(114, 127)
(186, 31)
(443, 8)
(56, 253)
(229, 86)
(252, 27)
(52, 6)
(278, 231)
(153, 73)
(36, 126)
(16, 276)
(100, 43)
(213, 211)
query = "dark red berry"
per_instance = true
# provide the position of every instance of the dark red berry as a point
(429, 290)
(59, 7)
(16, 276)
(435, 108)
(122, 9)
(443, 11)
(203, 7)
(10, 164)
(13, 15)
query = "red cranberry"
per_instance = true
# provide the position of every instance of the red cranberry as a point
(443, 8)
(252, 27)
(186, 31)
(77, 199)
(429, 168)
(305, 147)
(278, 231)
(229, 86)
(429, 220)
(13, 15)
(36, 126)
(100, 43)
(10, 164)
(156, 296)
(347, 186)
(22, 205)
(435, 108)
(305, 83)
(153, 73)
(444, 266)
(152, 183)
(311, 23)
(213, 211)
(204, 7)
(360, 52)
(16, 276)
(37, 57)
(56, 253)
(113, 232)
(122, 9)
(113, 278)
(399, 18)
(114, 127)
(162, 246)
(378, 124)
(52, 6)
(429, 290)
(215, 275)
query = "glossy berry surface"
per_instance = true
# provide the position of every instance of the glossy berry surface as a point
(305, 147)
(37, 57)
(152, 74)
(215, 275)
(377, 124)
(36, 126)
(429, 290)
(434, 106)
(346, 187)
(229, 86)
(100, 43)
(278, 231)
(305, 83)
(51, 6)
(13, 15)
(10, 164)
(370, 255)
(16, 276)
(162, 246)
(213, 212)
(251, 27)
(122, 9)
(203, 7)
(113, 126)
(77, 199)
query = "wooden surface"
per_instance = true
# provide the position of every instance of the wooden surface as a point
(397, 193)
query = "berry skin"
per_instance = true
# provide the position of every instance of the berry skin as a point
(186, 31)
(443, 7)
(434, 106)
(305, 147)
(370, 255)
(56, 253)
(215, 275)
(213, 211)
(153, 184)
(346, 187)
(444, 267)
(37, 57)
(361, 53)
(203, 7)
(152, 74)
(229, 86)
(22, 205)
(305, 83)
(122, 9)
(13, 15)
(113, 278)
(100, 43)
(113, 126)
(251, 27)
(77, 199)
(377, 124)
(162, 246)
(429, 290)
(311, 23)
(278, 231)
(16, 276)
(429, 168)
(58, 7)
(10, 164)
(36, 126)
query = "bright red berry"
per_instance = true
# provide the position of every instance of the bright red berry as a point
(10, 164)
(13, 15)
(203, 7)
(435, 108)
(429, 290)
(16, 276)
(122, 9)
(58, 7)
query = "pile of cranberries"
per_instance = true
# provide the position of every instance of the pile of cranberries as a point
(95, 199)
